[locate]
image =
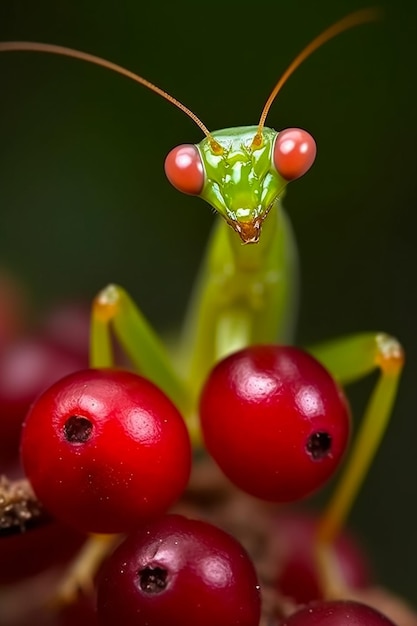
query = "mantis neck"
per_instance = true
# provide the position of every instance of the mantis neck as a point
(246, 293)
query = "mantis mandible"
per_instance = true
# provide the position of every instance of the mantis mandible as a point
(246, 291)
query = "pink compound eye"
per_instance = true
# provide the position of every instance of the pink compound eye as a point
(184, 169)
(294, 153)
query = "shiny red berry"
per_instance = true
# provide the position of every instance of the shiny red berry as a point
(275, 421)
(180, 572)
(105, 450)
(337, 613)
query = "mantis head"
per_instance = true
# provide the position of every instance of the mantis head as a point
(239, 178)
(241, 172)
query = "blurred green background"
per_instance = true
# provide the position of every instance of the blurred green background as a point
(83, 198)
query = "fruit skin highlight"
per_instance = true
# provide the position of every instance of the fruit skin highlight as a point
(180, 572)
(105, 450)
(275, 421)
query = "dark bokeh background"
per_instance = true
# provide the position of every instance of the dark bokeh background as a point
(83, 199)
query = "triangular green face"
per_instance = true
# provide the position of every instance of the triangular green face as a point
(241, 183)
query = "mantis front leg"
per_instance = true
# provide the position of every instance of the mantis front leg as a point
(245, 294)
(114, 310)
(349, 359)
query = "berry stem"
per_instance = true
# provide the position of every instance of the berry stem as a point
(19, 507)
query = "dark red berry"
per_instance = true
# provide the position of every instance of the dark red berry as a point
(298, 576)
(28, 366)
(105, 450)
(337, 613)
(275, 421)
(180, 572)
(67, 324)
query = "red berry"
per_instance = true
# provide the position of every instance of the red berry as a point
(337, 613)
(105, 450)
(298, 576)
(28, 366)
(180, 572)
(275, 421)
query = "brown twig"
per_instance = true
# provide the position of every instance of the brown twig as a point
(19, 507)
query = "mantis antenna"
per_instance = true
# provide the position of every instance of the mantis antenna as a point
(20, 46)
(353, 19)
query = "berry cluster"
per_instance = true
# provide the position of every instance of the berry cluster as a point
(106, 451)
(112, 443)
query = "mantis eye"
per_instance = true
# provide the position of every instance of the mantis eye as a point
(184, 169)
(294, 153)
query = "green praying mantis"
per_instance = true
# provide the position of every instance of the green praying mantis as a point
(246, 291)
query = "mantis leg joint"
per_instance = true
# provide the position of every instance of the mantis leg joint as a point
(390, 353)
(106, 303)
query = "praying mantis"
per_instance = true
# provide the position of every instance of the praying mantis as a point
(246, 291)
